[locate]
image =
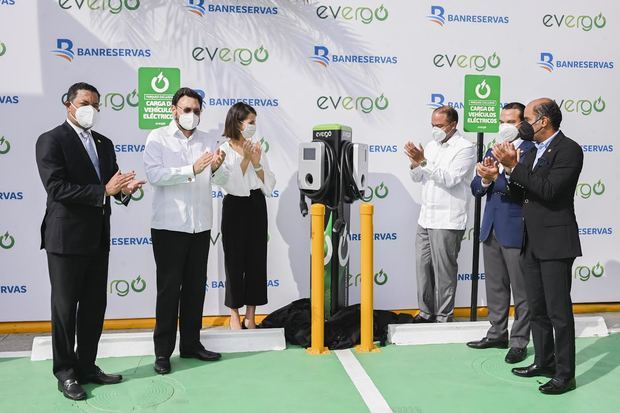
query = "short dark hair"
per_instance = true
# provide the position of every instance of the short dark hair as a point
(516, 105)
(549, 109)
(235, 116)
(76, 87)
(450, 112)
(185, 91)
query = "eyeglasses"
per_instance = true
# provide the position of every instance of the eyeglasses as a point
(188, 110)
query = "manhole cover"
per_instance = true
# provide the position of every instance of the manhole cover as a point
(131, 395)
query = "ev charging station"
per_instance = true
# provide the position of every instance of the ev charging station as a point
(333, 171)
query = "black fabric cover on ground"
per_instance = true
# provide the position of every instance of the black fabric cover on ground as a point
(342, 330)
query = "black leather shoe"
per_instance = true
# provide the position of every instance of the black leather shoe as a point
(558, 386)
(99, 377)
(71, 389)
(534, 370)
(516, 355)
(488, 343)
(202, 354)
(162, 365)
(418, 319)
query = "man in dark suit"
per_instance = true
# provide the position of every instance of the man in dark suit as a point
(502, 236)
(79, 172)
(548, 177)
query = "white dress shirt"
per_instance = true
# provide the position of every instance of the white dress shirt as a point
(236, 183)
(182, 201)
(445, 183)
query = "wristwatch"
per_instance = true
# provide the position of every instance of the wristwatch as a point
(423, 163)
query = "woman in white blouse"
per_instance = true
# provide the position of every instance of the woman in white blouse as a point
(244, 215)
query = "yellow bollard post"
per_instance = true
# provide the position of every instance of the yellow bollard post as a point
(317, 286)
(366, 296)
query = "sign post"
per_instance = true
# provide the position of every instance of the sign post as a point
(480, 115)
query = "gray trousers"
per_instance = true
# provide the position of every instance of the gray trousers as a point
(503, 270)
(436, 254)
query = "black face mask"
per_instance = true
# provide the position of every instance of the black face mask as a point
(526, 131)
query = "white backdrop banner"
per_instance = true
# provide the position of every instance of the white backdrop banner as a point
(378, 66)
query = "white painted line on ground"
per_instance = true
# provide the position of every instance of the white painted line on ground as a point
(366, 388)
(14, 354)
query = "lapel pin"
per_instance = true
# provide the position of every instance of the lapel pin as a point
(98, 141)
(549, 150)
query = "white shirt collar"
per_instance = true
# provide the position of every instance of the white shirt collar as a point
(174, 130)
(79, 130)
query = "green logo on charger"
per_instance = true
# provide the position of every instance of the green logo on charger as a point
(7, 241)
(156, 86)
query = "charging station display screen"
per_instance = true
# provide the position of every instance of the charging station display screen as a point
(309, 154)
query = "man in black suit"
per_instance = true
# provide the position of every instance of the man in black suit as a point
(547, 178)
(79, 172)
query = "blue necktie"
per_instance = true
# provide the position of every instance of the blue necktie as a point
(92, 152)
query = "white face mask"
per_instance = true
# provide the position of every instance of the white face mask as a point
(507, 132)
(438, 134)
(249, 131)
(85, 116)
(189, 121)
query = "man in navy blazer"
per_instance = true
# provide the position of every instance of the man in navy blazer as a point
(502, 236)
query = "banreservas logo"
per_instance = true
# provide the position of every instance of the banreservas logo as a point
(199, 8)
(111, 6)
(324, 58)
(549, 63)
(65, 50)
(242, 55)
(349, 13)
(440, 17)
(570, 21)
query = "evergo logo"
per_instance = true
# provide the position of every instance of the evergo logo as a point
(2, 49)
(549, 63)
(585, 190)
(364, 104)
(7, 241)
(64, 50)
(264, 144)
(582, 106)
(380, 191)
(112, 6)
(569, 21)
(116, 101)
(362, 14)
(441, 18)
(136, 196)
(380, 278)
(584, 272)
(123, 287)
(5, 145)
(243, 56)
(322, 57)
(199, 8)
(476, 62)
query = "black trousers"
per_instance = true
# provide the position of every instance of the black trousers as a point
(548, 284)
(79, 297)
(181, 261)
(244, 239)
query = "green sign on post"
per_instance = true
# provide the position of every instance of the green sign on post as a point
(481, 104)
(156, 86)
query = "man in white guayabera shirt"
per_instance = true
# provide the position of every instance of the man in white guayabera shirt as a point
(444, 168)
(179, 161)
